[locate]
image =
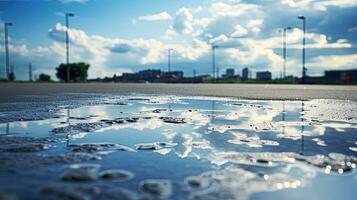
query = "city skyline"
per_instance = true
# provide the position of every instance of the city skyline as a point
(127, 36)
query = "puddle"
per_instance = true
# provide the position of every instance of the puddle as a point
(172, 147)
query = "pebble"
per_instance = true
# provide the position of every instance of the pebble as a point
(119, 194)
(94, 147)
(81, 172)
(160, 188)
(132, 119)
(159, 110)
(154, 146)
(26, 148)
(173, 120)
(80, 128)
(66, 191)
(117, 174)
(196, 181)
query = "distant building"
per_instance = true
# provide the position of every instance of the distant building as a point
(200, 78)
(174, 74)
(245, 73)
(149, 75)
(314, 79)
(341, 75)
(291, 78)
(266, 76)
(230, 74)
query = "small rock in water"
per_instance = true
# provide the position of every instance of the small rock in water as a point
(159, 110)
(117, 174)
(80, 118)
(27, 148)
(119, 194)
(119, 120)
(264, 161)
(158, 188)
(166, 144)
(11, 139)
(6, 196)
(124, 148)
(94, 147)
(196, 181)
(108, 121)
(138, 99)
(132, 119)
(119, 103)
(154, 146)
(73, 192)
(173, 120)
(84, 148)
(99, 147)
(262, 126)
(80, 128)
(147, 146)
(113, 121)
(81, 172)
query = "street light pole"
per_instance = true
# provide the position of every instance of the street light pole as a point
(7, 70)
(284, 49)
(30, 72)
(303, 18)
(67, 45)
(214, 61)
(214, 47)
(169, 59)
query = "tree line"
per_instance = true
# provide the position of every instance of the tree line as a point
(78, 72)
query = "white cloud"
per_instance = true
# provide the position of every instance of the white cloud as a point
(197, 49)
(183, 22)
(256, 58)
(321, 5)
(239, 31)
(236, 9)
(156, 17)
(170, 33)
(100, 51)
(334, 61)
(255, 25)
(314, 41)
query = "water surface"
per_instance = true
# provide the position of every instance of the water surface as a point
(177, 147)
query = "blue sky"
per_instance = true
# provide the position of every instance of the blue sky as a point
(117, 36)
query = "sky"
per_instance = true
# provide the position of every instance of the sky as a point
(117, 36)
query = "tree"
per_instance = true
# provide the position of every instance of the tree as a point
(44, 77)
(12, 76)
(78, 72)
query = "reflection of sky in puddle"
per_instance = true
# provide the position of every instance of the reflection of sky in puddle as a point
(241, 149)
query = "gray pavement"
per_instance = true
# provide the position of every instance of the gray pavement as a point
(16, 91)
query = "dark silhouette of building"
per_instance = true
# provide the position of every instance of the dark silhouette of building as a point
(346, 76)
(245, 74)
(154, 76)
(229, 72)
(150, 75)
(266, 76)
(230, 75)
(291, 78)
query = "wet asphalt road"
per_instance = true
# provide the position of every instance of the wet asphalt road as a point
(17, 91)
